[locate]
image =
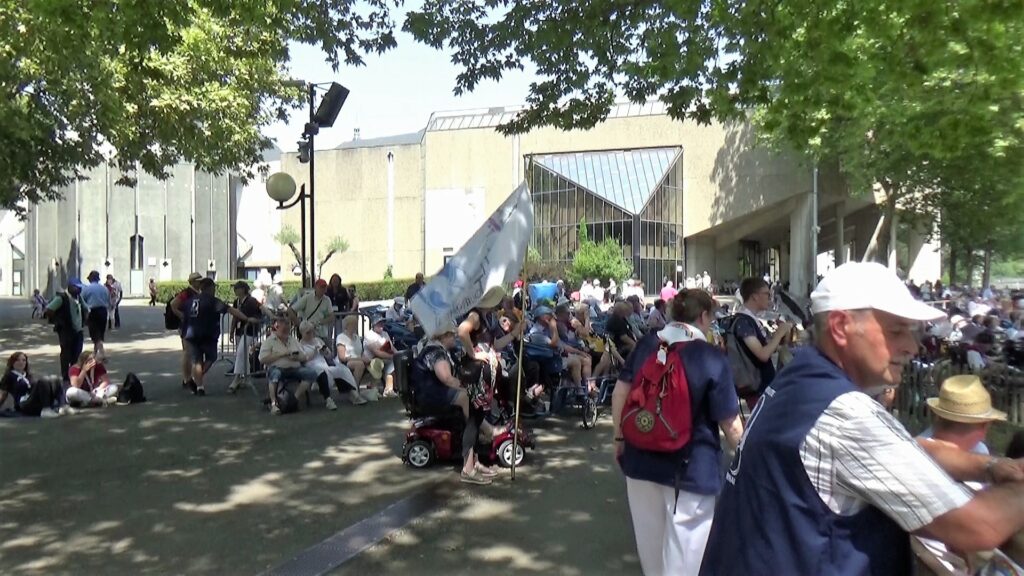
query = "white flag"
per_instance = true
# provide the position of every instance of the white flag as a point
(493, 256)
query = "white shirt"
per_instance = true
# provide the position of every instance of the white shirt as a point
(857, 454)
(374, 341)
(353, 346)
(394, 313)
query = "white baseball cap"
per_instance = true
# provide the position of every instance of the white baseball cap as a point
(863, 285)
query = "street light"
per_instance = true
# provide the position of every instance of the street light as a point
(281, 188)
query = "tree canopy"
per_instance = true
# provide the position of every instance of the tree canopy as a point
(893, 91)
(157, 81)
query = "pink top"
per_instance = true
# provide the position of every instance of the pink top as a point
(668, 293)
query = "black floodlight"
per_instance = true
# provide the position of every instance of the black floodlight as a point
(329, 107)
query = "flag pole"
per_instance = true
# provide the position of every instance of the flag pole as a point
(522, 339)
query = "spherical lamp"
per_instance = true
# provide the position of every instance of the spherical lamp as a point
(280, 187)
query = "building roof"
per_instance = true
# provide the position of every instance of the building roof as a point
(396, 140)
(626, 178)
(492, 117)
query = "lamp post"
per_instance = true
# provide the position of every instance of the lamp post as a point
(281, 188)
(319, 117)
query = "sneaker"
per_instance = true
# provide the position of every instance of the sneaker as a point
(67, 410)
(233, 387)
(200, 391)
(390, 394)
(49, 413)
(356, 399)
(110, 400)
(331, 405)
(191, 385)
(486, 471)
(474, 478)
(274, 410)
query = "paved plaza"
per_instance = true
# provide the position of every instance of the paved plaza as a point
(214, 485)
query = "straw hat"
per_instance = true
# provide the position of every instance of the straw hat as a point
(965, 399)
(491, 298)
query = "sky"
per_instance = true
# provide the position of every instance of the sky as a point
(394, 93)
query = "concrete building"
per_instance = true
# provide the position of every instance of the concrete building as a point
(12, 255)
(680, 197)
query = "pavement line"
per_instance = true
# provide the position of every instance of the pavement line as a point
(327, 555)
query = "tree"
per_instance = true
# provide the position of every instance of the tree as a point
(597, 260)
(287, 236)
(146, 84)
(890, 91)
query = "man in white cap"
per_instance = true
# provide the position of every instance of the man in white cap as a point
(825, 480)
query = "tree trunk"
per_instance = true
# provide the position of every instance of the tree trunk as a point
(969, 265)
(953, 251)
(986, 273)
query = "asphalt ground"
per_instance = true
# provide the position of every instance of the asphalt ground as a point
(215, 485)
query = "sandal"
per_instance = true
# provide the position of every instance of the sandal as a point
(474, 478)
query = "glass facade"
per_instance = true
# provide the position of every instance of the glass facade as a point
(651, 238)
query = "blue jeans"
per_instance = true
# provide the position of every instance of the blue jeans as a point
(277, 374)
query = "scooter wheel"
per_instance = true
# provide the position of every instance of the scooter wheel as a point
(419, 454)
(505, 453)
(589, 413)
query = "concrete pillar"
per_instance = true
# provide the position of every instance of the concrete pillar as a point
(925, 258)
(801, 262)
(893, 260)
(840, 247)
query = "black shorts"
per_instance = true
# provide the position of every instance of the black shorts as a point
(202, 351)
(97, 324)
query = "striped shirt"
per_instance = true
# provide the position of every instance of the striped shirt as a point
(857, 454)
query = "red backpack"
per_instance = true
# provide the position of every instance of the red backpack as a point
(657, 415)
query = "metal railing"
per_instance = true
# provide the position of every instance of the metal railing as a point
(921, 380)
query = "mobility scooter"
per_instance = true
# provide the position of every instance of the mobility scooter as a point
(437, 435)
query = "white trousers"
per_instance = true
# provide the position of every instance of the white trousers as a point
(337, 372)
(78, 397)
(670, 534)
(242, 355)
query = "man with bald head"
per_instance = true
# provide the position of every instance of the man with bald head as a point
(825, 480)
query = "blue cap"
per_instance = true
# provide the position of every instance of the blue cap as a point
(542, 310)
(74, 281)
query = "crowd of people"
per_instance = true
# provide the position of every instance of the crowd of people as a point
(792, 463)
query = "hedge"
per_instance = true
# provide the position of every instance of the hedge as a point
(367, 291)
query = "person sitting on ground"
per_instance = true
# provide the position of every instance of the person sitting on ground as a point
(657, 320)
(396, 312)
(436, 387)
(29, 396)
(350, 348)
(316, 308)
(90, 383)
(962, 414)
(378, 350)
(202, 330)
(282, 354)
(618, 328)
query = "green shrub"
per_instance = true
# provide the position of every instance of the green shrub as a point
(593, 260)
(367, 291)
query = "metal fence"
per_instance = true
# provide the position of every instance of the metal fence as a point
(921, 380)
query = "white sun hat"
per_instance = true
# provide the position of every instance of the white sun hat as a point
(869, 285)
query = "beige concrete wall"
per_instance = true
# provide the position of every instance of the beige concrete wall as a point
(351, 201)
